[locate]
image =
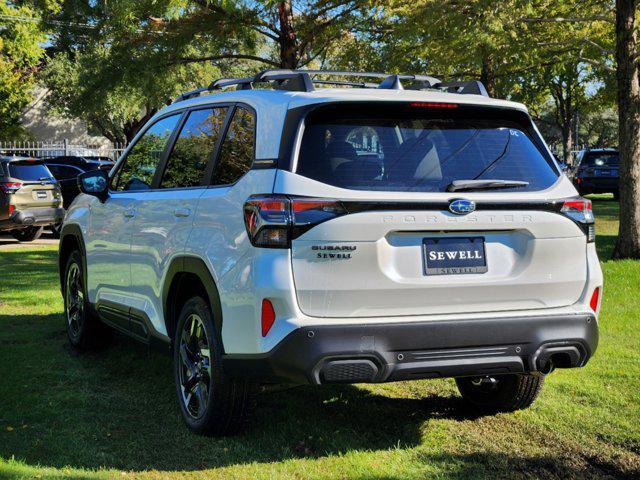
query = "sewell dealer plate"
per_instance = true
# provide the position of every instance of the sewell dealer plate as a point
(454, 255)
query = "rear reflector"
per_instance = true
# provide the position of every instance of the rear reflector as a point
(593, 303)
(268, 316)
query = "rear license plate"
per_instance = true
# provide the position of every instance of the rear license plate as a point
(451, 256)
(41, 194)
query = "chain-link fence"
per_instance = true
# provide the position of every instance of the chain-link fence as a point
(59, 148)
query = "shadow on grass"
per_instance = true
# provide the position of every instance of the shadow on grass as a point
(605, 244)
(116, 408)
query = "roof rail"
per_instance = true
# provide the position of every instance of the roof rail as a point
(304, 80)
(473, 87)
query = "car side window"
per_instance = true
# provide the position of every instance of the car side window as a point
(139, 167)
(194, 148)
(64, 172)
(238, 149)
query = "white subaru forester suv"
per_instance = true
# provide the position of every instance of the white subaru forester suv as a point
(385, 229)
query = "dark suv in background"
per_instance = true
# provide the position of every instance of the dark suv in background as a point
(30, 198)
(598, 171)
(67, 168)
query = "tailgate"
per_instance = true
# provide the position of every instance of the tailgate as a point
(373, 264)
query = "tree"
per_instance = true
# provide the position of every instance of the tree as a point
(608, 41)
(627, 56)
(112, 100)
(20, 54)
(472, 39)
(116, 63)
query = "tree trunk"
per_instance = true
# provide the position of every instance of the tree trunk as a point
(487, 75)
(132, 127)
(289, 57)
(567, 140)
(628, 243)
(562, 94)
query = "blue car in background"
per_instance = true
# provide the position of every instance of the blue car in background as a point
(598, 171)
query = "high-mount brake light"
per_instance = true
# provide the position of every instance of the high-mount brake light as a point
(579, 210)
(434, 105)
(10, 187)
(272, 221)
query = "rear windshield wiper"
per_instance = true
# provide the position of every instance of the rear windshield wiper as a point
(465, 185)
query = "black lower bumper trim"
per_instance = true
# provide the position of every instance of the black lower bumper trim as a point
(404, 351)
(35, 217)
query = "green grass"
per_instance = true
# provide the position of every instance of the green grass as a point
(113, 413)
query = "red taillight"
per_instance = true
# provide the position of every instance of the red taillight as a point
(595, 297)
(581, 205)
(306, 205)
(12, 209)
(268, 316)
(10, 187)
(579, 210)
(434, 105)
(273, 221)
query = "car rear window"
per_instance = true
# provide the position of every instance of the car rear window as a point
(600, 159)
(29, 171)
(421, 147)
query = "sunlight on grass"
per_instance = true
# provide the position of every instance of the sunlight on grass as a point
(113, 413)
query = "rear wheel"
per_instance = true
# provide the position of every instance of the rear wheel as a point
(84, 329)
(56, 228)
(500, 393)
(211, 403)
(28, 234)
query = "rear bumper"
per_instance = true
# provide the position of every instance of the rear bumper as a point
(407, 351)
(33, 217)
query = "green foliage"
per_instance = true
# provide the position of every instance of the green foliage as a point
(117, 93)
(20, 52)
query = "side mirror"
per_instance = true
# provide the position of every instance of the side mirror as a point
(94, 182)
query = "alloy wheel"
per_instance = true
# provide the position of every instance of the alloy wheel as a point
(195, 366)
(74, 301)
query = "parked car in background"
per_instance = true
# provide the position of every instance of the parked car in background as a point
(598, 171)
(67, 168)
(30, 198)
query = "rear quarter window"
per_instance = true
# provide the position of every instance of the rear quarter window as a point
(415, 148)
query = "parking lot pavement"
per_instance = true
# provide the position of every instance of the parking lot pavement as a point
(7, 242)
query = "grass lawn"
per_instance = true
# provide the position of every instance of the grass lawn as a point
(113, 414)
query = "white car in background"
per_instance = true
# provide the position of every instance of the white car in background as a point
(298, 235)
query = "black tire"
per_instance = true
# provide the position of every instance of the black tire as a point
(211, 402)
(84, 330)
(56, 228)
(28, 234)
(501, 393)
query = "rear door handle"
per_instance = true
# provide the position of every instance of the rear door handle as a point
(129, 213)
(182, 212)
